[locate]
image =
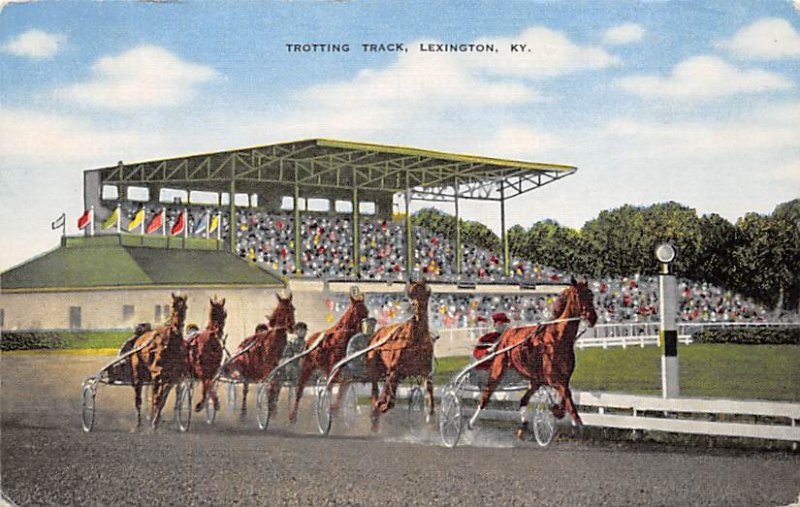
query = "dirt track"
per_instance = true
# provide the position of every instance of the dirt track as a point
(48, 459)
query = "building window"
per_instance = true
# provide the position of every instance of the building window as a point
(127, 312)
(74, 317)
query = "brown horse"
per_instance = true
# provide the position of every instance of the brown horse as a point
(407, 351)
(546, 354)
(265, 350)
(331, 349)
(205, 352)
(162, 360)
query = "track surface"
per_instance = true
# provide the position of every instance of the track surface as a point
(48, 459)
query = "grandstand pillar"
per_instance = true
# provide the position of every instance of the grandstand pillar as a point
(356, 241)
(297, 269)
(504, 236)
(409, 233)
(458, 236)
(232, 225)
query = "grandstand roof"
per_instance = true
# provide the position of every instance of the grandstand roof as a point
(103, 264)
(326, 163)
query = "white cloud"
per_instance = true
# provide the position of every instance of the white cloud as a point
(623, 34)
(548, 54)
(35, 44)
(789, 171)
(703, 78)
(143, 77)
(767, 39)
(516, 141)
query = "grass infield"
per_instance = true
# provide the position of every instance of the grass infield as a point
(766, 372)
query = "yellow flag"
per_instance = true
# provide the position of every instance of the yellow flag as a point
(214, 224)
(111, 221)
(138, 218)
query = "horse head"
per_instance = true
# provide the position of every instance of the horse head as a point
(177, 313)
(418, 290)
(358, 310)
(585, 300)
(283, 315)
(217, 313)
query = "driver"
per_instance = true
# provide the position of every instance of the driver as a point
(358, 342)
(488, 342)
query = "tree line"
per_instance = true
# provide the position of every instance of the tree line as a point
(758, 256)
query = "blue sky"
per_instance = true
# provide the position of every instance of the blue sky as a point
(695, 102)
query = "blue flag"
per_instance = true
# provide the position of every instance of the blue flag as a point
(202, 224)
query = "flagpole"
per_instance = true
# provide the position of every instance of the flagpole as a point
(64, 226)
(91, 221)
(119, 219)
(163, 221)
(144, 219)
(219, 226)
(208, 222)
(185, 224)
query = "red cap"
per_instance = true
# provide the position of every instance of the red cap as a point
(500, 317)
(481, 319)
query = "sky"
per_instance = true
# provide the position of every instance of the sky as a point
(653, 101)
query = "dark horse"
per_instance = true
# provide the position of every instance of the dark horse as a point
(331, 349)
(406, 351)
(162, 360)
(264, 352)
(547, 356)
(205, 352)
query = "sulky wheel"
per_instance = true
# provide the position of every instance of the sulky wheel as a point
(451, 421)
(350, 406)
(262, 406)
(323, 409)
(416, 407)
(544, 422)
(183, 408)
(231, 397)
(211, 412)
(88, 407)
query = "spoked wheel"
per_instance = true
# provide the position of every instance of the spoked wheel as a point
(544, 422)
(262, 406)
(231, 397)
(323, 408)
(416, 407)
(350, 406)
(451, 419)
(183, 409)
(88, 406)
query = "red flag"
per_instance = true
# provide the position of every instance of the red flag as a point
(155, 223)
(179, 224)
(84, 220)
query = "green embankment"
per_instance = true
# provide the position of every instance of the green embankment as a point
(61, 340)
(768, 372)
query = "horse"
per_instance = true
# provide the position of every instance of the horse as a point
(264, 350)
(205, 352)
(406, 351)
(331, 349)
(162, 360)
(545, 354)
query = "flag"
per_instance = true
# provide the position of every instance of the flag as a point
(180, 223)
(112, 219)
(85, 219)
(214, 224)
(138, 218)
(155, 223)
(59, 222)
(202, 224)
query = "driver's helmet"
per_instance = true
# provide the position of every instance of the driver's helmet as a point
(368, 326)
(300, 330)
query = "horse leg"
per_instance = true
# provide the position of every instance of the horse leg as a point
(374, 414)
(566, 402)
(212, 391)
(342, 389)
(306, 369)
(386, 401)
(199, 406)
(137, 389)
(273, 391)
(431, 406)
(494, 378)
(245, 388)
(158, 400)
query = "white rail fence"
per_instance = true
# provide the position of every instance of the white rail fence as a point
(459, 341)
(766, 420)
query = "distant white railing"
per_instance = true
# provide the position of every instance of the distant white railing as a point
(460, 341)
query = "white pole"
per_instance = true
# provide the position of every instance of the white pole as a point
(185, 223)
(668, 297)
(144, 219)
(91, 221)
(208, 222)
(163, 221)
(119, 219)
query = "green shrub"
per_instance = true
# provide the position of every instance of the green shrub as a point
(32, 340)
(785, 335)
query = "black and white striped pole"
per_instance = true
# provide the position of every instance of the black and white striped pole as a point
(668, 299)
